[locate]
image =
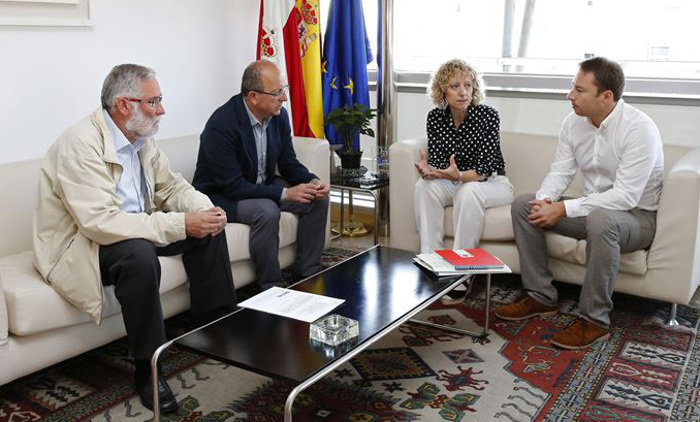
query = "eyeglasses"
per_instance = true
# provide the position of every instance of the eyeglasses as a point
(153, 102)
(277, 93)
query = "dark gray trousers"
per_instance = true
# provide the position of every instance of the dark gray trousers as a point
(133, 268)
(608, 233)
(263, 217)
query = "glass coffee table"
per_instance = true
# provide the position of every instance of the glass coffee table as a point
(382, 289)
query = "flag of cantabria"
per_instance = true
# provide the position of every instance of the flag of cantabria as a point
(346, 53)
(289, 36)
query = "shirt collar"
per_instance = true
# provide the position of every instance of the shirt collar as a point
(120, 141)
(614, 114)
(254, 120)
(447, 115)
(446, 112)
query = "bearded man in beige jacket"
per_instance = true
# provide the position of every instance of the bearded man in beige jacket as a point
(108, 205)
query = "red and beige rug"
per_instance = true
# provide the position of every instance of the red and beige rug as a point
(645, 372)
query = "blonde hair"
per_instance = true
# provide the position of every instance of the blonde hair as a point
(441, 79)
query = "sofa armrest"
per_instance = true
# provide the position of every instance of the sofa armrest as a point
(674, 255)
(403, 176)
(3, 318)
(315, 154)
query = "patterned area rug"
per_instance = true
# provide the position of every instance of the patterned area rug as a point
(645, 372)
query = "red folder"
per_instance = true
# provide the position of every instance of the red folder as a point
(470, 259)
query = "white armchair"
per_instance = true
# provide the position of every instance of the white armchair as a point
(668, 271)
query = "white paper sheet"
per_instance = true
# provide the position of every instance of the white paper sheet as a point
(294, 304)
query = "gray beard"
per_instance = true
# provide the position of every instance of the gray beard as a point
(142, 125)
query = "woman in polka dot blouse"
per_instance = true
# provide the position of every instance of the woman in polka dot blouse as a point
(464, 166)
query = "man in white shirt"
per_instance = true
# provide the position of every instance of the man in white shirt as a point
(618, 150)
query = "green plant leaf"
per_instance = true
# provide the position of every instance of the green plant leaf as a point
(348, 121)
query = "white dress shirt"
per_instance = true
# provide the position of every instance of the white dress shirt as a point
(131, 184)
(621, 162)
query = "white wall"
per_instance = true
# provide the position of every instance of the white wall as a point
(50, 77)
(679, 125)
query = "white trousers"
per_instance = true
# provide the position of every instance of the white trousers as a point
(469, 201)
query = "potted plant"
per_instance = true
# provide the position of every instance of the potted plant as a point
(348, 122)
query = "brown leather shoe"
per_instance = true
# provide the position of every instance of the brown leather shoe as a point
(525, 308)
(579, 335)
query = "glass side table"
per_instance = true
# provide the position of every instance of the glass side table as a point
(368, 183)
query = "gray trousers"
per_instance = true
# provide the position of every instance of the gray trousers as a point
(608, 233)
(263, 217)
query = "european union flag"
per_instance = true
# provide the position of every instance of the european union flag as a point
(346, 53)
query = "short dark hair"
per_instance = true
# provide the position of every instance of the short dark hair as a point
(608, 75)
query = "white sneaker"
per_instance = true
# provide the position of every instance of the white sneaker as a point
(458, 294)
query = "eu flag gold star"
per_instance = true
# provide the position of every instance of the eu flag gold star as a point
(350, 86)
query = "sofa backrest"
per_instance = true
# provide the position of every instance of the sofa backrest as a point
(182, 153)
(528, 158)
(18, 182)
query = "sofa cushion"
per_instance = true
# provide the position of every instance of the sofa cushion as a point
(3, 318)
(33, 306)
(238, 234)
(568, 249)
(497, 226)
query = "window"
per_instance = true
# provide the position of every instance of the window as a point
(528, 45)
(650, 38)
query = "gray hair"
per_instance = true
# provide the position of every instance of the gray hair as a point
(124, 81)
(252, 77)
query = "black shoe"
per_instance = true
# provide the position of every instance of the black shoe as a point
(142, 384)
(458, 294)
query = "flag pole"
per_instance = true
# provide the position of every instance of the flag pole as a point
(385, 106)
(385, 114)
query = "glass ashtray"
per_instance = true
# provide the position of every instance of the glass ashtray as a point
(333, 352)
(333, 329)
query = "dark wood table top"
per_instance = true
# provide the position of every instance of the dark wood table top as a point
(379, 286)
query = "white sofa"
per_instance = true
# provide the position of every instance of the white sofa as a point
(669, 271)
(38, 328)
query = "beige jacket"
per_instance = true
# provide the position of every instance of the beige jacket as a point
(77, 209)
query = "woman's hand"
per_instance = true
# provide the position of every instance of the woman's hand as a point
(425, 171)
(451, 172)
